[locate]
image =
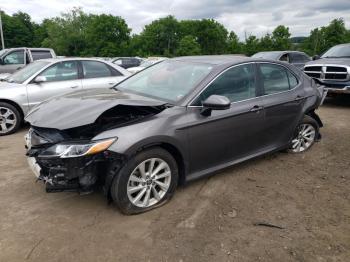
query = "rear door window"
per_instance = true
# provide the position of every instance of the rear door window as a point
(274, 78)
(96, 69)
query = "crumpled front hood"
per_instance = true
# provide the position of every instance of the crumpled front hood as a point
(83, 107)
(331, 61)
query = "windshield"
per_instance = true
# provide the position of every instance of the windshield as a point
(169, 80)
(23, 74)
(338, 51)
(267, 55)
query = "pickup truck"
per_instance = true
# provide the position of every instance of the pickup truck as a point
(12, 59)
(332, 69)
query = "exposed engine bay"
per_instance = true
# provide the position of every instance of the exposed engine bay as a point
(82, 172)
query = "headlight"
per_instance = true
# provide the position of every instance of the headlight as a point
(67, 150)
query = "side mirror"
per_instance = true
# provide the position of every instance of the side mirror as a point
(316, 57)
(215, 102)
(40, 79)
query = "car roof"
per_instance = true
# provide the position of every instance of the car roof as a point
(55, 60)
(122, 57)
(72, 58)
(346, 44)
(30, 48)
(214, 59)
(282, 52)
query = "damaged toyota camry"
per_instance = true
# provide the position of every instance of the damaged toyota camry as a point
(169, 124)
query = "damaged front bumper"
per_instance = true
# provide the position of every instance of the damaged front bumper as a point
(82, 174)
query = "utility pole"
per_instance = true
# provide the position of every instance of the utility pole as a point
(1, 33)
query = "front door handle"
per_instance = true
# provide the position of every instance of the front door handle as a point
(256, 108)
(74, 87)
(111, 83)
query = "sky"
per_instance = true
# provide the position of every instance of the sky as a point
(244, 17)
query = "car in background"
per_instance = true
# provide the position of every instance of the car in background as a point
(46, 78)
(171, 123)
(127, 62)
(296, 58)
(332, 69)
(146, 63)
(13, 59)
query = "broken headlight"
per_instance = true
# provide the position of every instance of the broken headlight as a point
(67, 150)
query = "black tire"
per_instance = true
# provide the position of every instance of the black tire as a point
(118, 189)
(17, 115)
(307, 120)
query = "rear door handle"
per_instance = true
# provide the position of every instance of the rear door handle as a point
(256, 108)
(299, 98)
(74, 87)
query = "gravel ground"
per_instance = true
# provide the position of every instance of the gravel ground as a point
(213, 219)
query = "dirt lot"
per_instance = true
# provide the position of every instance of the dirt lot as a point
(209, 220)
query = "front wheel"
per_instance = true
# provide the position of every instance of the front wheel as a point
(305, 136)
(148, 180)
(10, 119)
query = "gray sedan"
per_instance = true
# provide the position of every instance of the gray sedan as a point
(171, 123)
(46, 78)
(296, 58)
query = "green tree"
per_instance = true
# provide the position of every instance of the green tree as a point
(135, 47)
(234, 46)
(212, 37)
(106, 35)
(188, 46)
(79, 34)
(266, 43)
(251, 45)
(66, 34)
(18, 29)
(281, 38)
(40, 32)
(161, 37)
(321, 39)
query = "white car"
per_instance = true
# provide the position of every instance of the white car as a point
(146, 63)
(47, 78)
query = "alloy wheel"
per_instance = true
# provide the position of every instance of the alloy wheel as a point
(304, 138)
(8, 120)
(149, 182)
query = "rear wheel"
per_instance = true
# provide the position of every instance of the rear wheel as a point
(305, 136)
(148, 180)
(10, 119)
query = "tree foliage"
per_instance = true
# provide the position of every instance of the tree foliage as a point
(321, 39)
(188, 46)
(77, 33)
(281, 38)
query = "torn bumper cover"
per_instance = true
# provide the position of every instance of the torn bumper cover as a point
(73, 166)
